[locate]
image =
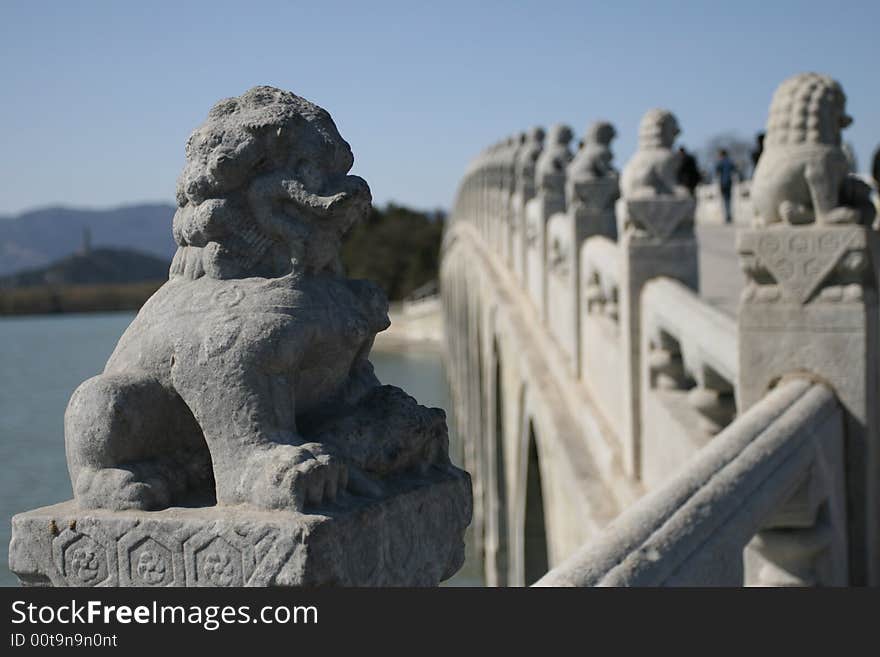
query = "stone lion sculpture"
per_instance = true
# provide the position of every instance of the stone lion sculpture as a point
(246, 376)
(803, 175)
(591, 178)
(553, 159)
(593, 160)
(653, 170)
(526, 160)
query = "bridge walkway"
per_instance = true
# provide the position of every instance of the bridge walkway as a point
(721, 279)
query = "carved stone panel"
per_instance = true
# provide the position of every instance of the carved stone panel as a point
(82, 560)
(802, 260)
(213, 559)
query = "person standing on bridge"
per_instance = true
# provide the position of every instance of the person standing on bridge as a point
(724, 171)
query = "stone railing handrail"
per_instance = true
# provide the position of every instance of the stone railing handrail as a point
(693, 529)
(688, 376)
(601, 254)
(705, 335)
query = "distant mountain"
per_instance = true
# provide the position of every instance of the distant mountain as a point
(39, 237)
(95, 267)
(396, 247)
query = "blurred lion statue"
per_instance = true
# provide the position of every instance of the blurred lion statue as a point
(653, 170)
(803, 175)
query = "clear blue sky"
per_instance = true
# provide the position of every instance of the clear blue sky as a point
(99, 97)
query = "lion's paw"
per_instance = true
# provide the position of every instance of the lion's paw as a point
(795, 213)
(121, 488)
(294, 477)
(844, 215)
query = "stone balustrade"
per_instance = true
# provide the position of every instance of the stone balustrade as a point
(599, 343)
(588, 371)
(689, 361)
(785, 451)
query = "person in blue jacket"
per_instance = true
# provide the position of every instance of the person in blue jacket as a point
(724, 172)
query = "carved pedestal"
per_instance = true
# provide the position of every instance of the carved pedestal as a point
(592, 205)
(412, 537)
(811, 306)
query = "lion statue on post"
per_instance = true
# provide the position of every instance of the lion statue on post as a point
(594, 159)
(803, 174)
(245, 378)
(653, 170)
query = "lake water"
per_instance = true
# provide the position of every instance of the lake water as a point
(43, 359)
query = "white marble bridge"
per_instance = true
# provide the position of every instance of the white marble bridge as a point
(637, 410)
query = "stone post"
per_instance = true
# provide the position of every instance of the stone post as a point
(493, 211)
(591, 189)
(238, 435)
(549, 199)
(810, 304)
(524, 191)
(655, 220)
(510, 162)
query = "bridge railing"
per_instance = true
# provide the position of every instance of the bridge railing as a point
(600, 342)
(689, 373)
(556, 231)
(761, 504)
(609, 287)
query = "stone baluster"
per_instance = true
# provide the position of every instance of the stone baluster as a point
(655, 218)
(591, 188)
(810, 306)
(601, 297)
(500, 196)
(499, 201)
(549, 199)
(521, 143)
(666, 364)
(492, 195)
(485, 191)
(713, 397)
(524, 191)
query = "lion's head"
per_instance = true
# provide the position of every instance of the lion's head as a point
(595, 157)
(658, 129)
(528, 154)
(264, 191)
(551, 163)
(807, 108)
(600, 132)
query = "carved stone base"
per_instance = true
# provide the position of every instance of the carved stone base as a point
(658, 218)
(413, 537)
